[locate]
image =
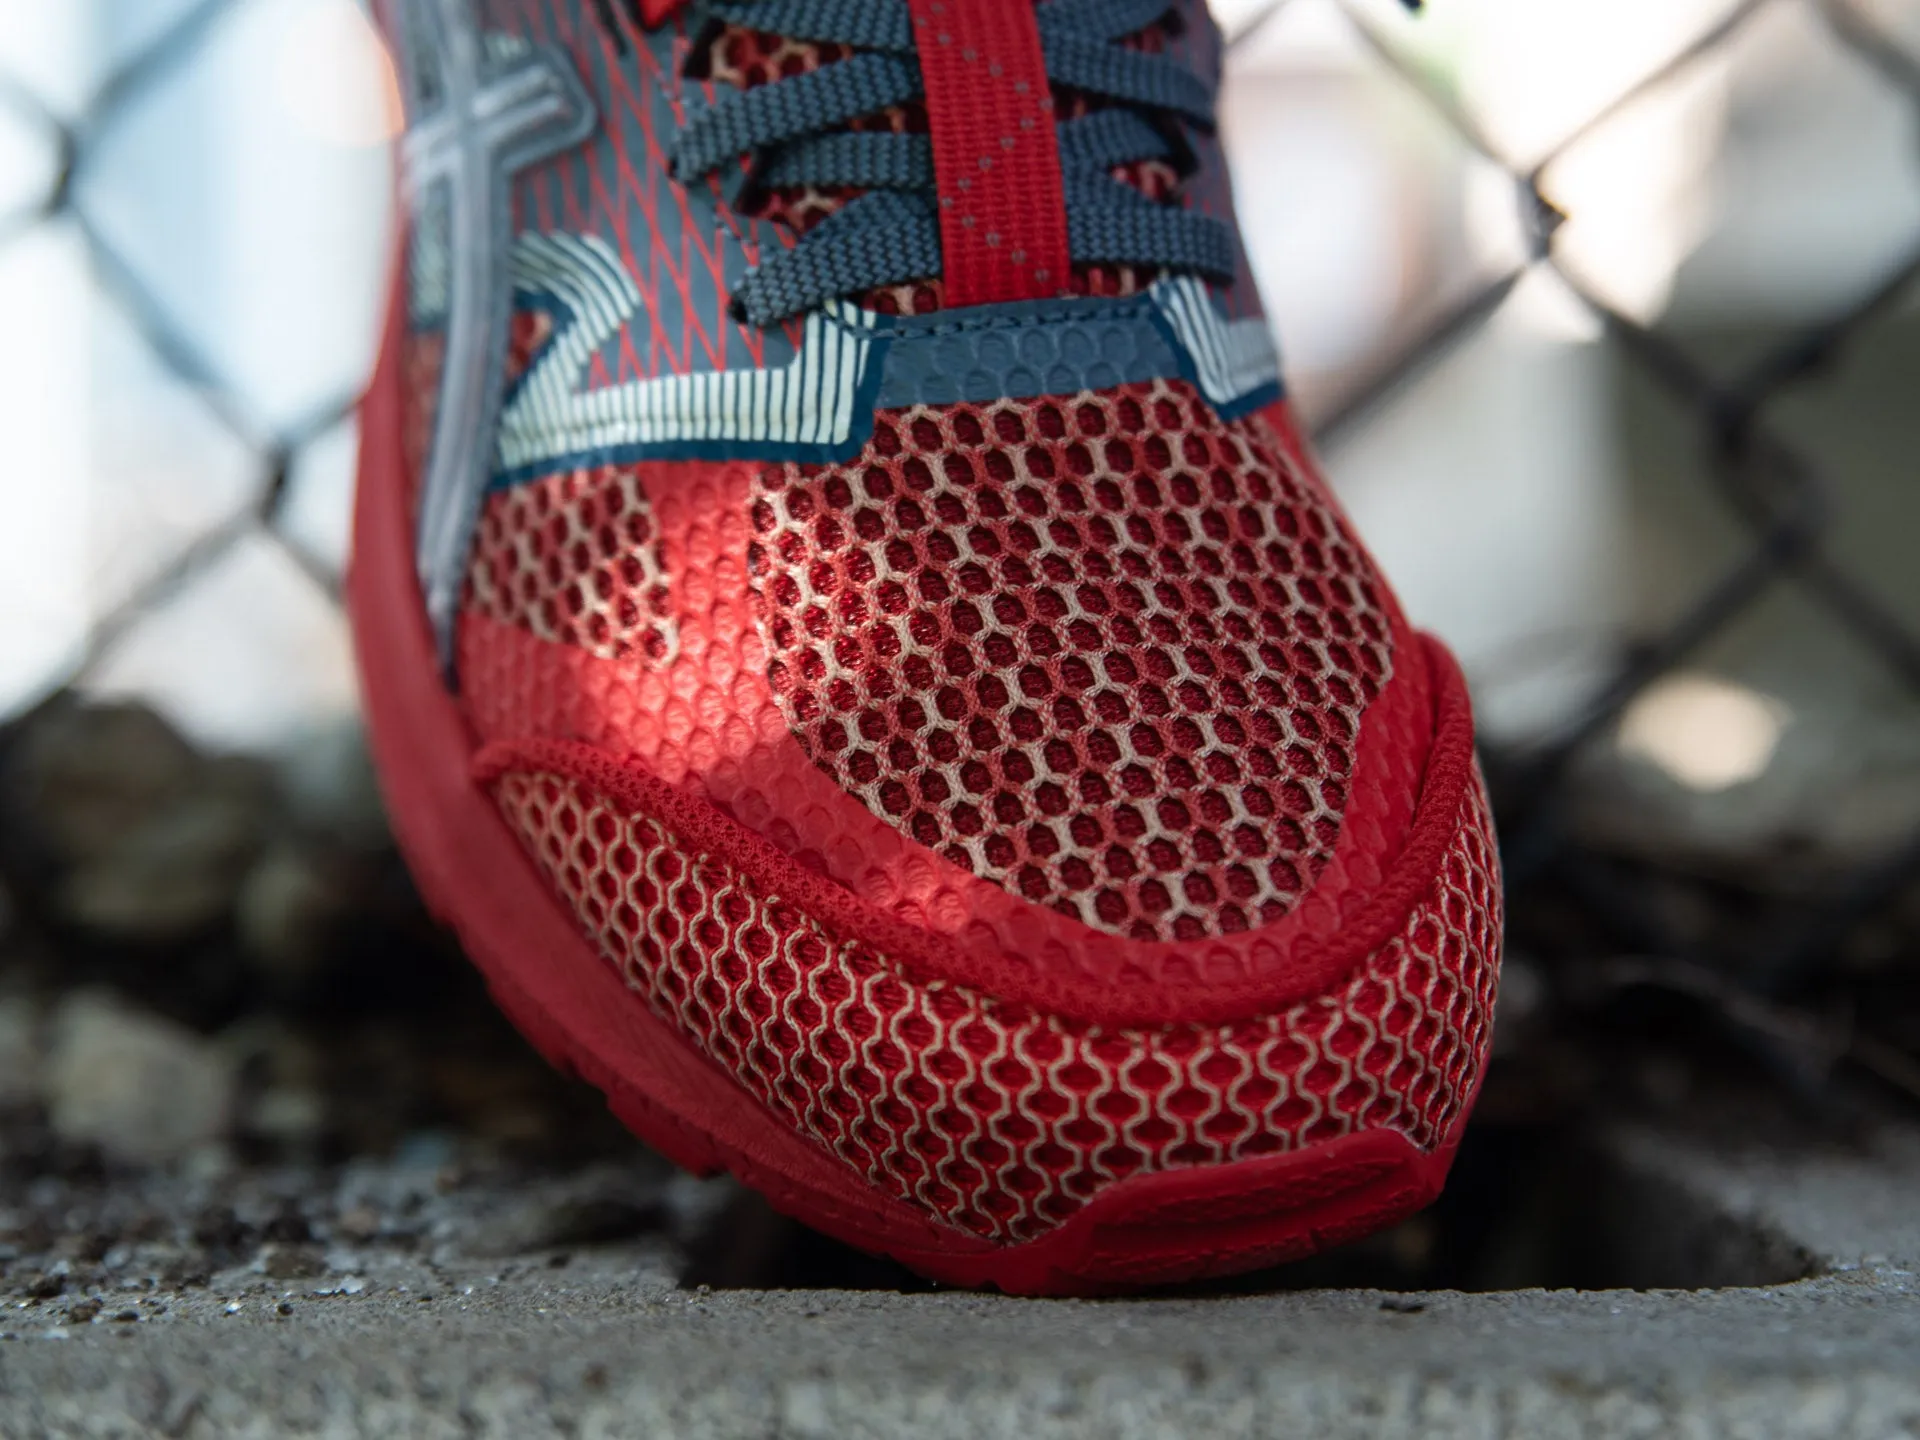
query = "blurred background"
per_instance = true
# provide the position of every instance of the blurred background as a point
(1601, 316)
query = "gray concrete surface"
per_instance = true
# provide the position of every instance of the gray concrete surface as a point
(1842, 1205)
(606, 1346)
(602, 1355)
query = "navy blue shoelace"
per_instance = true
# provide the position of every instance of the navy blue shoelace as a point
(795, 132)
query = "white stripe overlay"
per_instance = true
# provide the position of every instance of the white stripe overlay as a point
(552, 415)
(1231, 358)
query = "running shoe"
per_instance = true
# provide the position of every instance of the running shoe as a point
(858, 649)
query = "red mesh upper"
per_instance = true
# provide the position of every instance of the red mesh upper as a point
(1003, 1121)
(1107, 652)
(574, 558)
(423, 355)
(747, 59)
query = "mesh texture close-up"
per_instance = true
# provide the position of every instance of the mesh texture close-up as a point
(999, 1119)
(575, 559)
(1105, 650)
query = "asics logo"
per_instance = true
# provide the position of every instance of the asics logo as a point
(482, 109)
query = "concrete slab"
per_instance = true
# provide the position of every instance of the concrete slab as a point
(527, 1354)
(443, 1343)
(1839, 1206)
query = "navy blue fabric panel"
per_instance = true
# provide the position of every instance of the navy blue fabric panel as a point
(1022, 351)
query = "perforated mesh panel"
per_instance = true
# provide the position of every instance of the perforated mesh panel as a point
(575, 558)
(1107, 651)
(1001, 1121)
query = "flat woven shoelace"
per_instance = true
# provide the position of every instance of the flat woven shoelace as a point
(795, 131)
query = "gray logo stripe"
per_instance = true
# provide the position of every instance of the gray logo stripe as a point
(484, 120)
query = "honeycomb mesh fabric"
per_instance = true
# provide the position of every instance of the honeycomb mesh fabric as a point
(1000, 1120)
(747, 59)
(1107, 652)
(575, 559)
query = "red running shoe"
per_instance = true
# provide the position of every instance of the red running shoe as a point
(857, 648)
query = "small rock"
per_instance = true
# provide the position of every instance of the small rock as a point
(140, 836)
(285, 1116)
(46, 1286)
(88, 1246)
(29, 1234)
(186, 1275)
(290, 1262)
(82, 1311)
(86, 775)
(218, 1229)
(140, 1087)
(281, 1079)
(289, 913)
(289, 1227)
(361, 1223)
(178, 872)
(20, 1056)
(578, 1219)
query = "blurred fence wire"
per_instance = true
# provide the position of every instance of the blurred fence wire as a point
(1576, 900)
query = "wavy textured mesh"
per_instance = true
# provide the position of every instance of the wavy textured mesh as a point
(1002, 1121)
(1106, 651)
(575, 558)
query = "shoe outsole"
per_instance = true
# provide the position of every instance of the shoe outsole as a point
(572, 1005)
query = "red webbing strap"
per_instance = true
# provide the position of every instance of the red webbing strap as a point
(1003, 215)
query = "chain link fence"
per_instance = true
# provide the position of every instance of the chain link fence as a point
(1799, 947)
